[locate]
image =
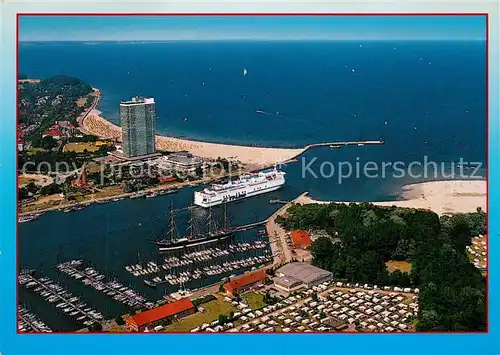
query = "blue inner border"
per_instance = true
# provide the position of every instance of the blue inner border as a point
(12, 343)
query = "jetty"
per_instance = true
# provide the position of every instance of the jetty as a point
(278, 201)
(184, 277)
(358, 143)
(245, 227)
(52, 292)
(28, 322)
(91, 277)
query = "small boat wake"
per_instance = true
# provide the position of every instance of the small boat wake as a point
(262, 112)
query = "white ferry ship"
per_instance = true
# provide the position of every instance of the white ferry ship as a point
(246, 186)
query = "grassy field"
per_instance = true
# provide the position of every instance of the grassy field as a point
(109, 191)
(39, 206)
(254, 300)
(82, 198)
(393, 265)
(24, 180)
(80, 147)
(212, 311)
(33, 151)
(93, 168)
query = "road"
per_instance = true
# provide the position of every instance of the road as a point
(92, 107)
(279, 246)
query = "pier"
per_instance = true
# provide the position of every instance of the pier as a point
(58, 293)
(278, 201)
(358, 143)
(245, 227)
(29, 322)
(113, 289)
(229, 266)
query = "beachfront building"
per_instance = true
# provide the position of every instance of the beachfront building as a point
(182, 161)
(306, 273)
(137, 118)
(156, 316)
(245, 282)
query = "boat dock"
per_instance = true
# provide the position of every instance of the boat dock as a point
(201, 256)
(248, 226)
(114, 289)
(211, 270)
(69, 304)
(28, 322)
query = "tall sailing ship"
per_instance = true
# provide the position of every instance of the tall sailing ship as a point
(246, 186)
(192, 239)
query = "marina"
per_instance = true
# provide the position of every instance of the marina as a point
(92, 278)
(60, 298)
(29, 322)
(184, 277)
(187, 259)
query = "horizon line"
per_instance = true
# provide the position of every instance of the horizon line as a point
(254, 40)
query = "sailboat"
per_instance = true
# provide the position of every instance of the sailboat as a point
(245, 72)
(191, 239)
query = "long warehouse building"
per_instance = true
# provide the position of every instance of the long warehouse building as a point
(296, 274)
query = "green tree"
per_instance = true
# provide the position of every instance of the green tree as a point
(31, 187)
(22, 193)
(399, 278)
(129, 187)
(198, 171)
(119, 320)
(368, 236)
(48, 143)
(50, 189)
(222, 319)
(96, 327)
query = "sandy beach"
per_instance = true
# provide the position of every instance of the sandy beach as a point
(256, 157)
(454, 196)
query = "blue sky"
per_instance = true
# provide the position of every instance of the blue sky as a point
(140, 28)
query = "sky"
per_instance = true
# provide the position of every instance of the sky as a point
(169, 28)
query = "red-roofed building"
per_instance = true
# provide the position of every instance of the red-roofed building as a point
(54, 133)
(82, 181)
(156, 316)
(301, 239)
(245, 282)
(167, 179)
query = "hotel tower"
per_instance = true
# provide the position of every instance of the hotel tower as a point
(137, 118)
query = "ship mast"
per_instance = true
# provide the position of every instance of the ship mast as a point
(225, 217)
(210, 222)
(172, 221)
(190, 226)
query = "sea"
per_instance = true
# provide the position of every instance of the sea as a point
(425, 99)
